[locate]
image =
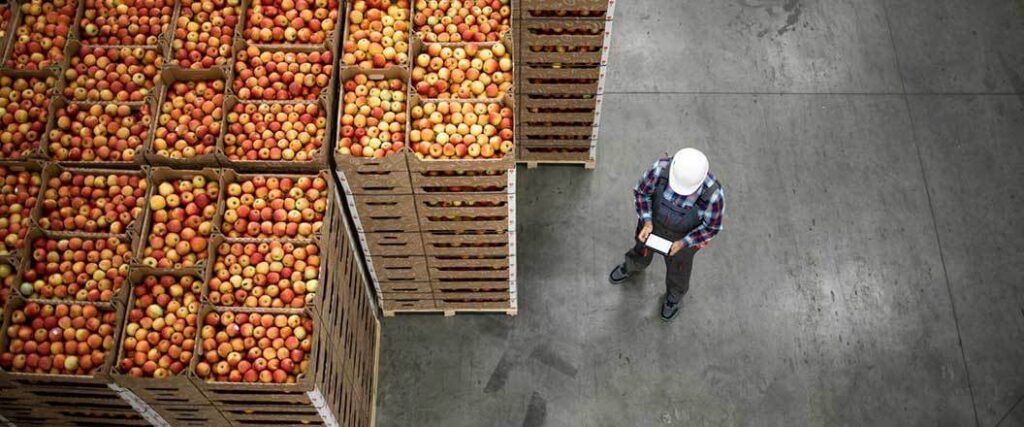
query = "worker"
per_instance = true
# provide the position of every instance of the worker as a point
(679, 200)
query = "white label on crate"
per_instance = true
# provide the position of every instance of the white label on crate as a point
(355, 212)
(139, 406)
(512, 212)
(324, 412)
(6, 422)
(369, 266)
(512, 180)
(344, 182)
(611, 10)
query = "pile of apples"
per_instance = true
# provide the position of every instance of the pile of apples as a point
(468, 71)
(462, 20)
(64, 339)
(272, 207)
(122, 74)
(24, 106)
(254, 347)
(190, 119)
(5, 19)
(99, 132)
(40, 39)
(291, 21)
(160, 336)
(181, 217)
(373, 117)
(291, 132)
(278, 75)
(80, 269)
(378, 34)
(8, 280)
(18, 196)
(204, 32)
(92, 202)
(268, 274)
(461, 130)
(125, 22)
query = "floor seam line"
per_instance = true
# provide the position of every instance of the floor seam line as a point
(931, 209)
(1010, 411)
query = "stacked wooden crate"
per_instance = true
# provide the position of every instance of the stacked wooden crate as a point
(131, 133)
(436, 224)
(563, 50)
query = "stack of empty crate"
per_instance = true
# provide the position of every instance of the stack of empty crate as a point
(561, 65)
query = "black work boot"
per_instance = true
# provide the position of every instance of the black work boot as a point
(618, 274)
(669, 310)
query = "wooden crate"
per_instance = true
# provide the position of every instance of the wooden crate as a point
(390, 213)
(470, 211)
(591, 9)
(398, 269)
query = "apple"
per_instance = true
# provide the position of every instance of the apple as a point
(234, 350)
(373, 119)
(378, 34)
(80, 201)
(99, 132)
(204, 32)
(160, 332)
(18, 197)
(462, 21)
(24, 109)
(122, 74)
(125, 22)
(5, 20)
(294, 207)
(76, 268)
(190, 119)
(469, 130)
(58, 338)
(268, 274)
(279, 75)
(8, 279)
(291, 21)
(40, 38)
(181, 218)
(276, 132)
(470, 71)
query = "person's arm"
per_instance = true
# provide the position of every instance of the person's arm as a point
(644, 190)
(711, 222)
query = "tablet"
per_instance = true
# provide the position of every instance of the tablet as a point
(662, 245)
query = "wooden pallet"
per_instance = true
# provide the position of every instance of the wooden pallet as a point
(452, 312)
(587, 164)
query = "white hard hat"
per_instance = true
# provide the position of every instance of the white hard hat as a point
(689, 168)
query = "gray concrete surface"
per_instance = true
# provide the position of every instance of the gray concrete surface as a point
(872, 269)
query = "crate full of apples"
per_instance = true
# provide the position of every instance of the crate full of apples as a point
(179, 220)
(463, 70)
(308, 22)
(377, 35)
(190, 112)
(20, 186)
(24, 111)
(78, 268)
(132, 22)
(98, 134)
(462, 20)
(561, 41)
(260, 206)
(267, 274)
(42, 31)
(111, 73)
(92, 201)
(282, 73)
(204, 33)
(275, 136)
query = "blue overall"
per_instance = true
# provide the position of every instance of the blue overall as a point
(671, 221)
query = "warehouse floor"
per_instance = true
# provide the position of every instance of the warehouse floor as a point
(872, 269)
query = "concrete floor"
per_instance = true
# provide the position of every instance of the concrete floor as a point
(872, 267)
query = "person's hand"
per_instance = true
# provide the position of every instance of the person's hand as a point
(645, 231)
(676, 247)
(702, 245)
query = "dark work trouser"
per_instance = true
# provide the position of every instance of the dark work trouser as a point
(677, 268)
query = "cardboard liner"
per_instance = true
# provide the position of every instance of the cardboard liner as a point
(174, 391)
(118, 294)
(477, 244)
(168, 76)
(412, 288)
(160, 175)
(591, 9)
(85, 387)
(51, 147)
(391, 244)
(457, 212)
(545, 80)
(317, 160)
(400, 269)
(385, 213)
(229, 176)
(45, 219)
(29, 216)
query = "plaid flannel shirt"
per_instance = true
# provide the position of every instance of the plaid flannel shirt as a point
(711, 217)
